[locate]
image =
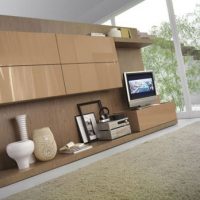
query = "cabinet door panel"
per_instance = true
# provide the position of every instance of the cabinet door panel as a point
(30, 82)
(108, 75)
(22, 48)
(86, 49)
(67, 48)
(80, 78)
(91, 77)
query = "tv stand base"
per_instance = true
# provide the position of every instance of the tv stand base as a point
(151, 116)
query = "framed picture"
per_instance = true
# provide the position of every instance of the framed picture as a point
(91, 126)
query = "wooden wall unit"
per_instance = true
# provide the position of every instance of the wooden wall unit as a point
(89, 77)
(30, 82)
(20, 48)
(124, 46)
(58, 113)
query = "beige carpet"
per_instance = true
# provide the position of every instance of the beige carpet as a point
(164, 168)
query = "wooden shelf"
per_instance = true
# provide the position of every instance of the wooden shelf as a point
(10, 176)
(132, 42)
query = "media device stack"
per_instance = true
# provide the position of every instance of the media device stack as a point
(118, 126)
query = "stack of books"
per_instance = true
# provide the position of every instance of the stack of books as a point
(73, 148)
(97, 34)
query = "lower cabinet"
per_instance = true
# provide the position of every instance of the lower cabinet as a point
(30, 82)
(91, 77)
(152, 116)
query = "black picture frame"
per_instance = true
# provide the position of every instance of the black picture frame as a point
(91, 124)
(79, 106)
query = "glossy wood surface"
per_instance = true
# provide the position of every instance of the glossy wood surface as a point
(20, 48)
(86, 49)
(91, 77)
(151, 116)
(30, 82)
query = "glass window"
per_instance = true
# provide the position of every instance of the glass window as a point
(188, 25)
(152, 17)
(144, 16)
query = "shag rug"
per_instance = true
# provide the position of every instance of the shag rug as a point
(164, 168)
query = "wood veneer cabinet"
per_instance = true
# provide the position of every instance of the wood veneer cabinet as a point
(152, 116)
(97, 56)
(23, 48)
(91, 77)
(30, 82)
(88, 63)
(86, 49)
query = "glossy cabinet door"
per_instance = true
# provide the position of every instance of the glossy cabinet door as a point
(85, 49)
(30, 82)
(23, 48)
(91, 77)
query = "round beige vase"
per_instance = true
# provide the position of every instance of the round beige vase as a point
(45, 145)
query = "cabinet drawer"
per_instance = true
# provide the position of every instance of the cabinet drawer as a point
(91, 77)
(86, 49)
(151, 116)
(22, 48)
(30, 82)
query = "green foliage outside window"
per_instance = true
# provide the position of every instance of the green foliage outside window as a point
(160, 57)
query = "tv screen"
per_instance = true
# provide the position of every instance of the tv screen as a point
(140, 88)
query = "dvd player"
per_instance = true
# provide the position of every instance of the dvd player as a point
(113, 129)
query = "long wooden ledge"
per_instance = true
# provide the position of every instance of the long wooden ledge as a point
(11, 176)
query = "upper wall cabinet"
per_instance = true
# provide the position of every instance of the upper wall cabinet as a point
(30, 82)
(90, 77)
(85, 49)
(23, 48)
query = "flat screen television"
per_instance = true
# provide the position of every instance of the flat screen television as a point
(140, 88)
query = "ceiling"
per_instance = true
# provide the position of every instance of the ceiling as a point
(88, 11)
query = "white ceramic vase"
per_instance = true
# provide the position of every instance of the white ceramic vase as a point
(20, 152)
(114, 32)
(45, 145)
